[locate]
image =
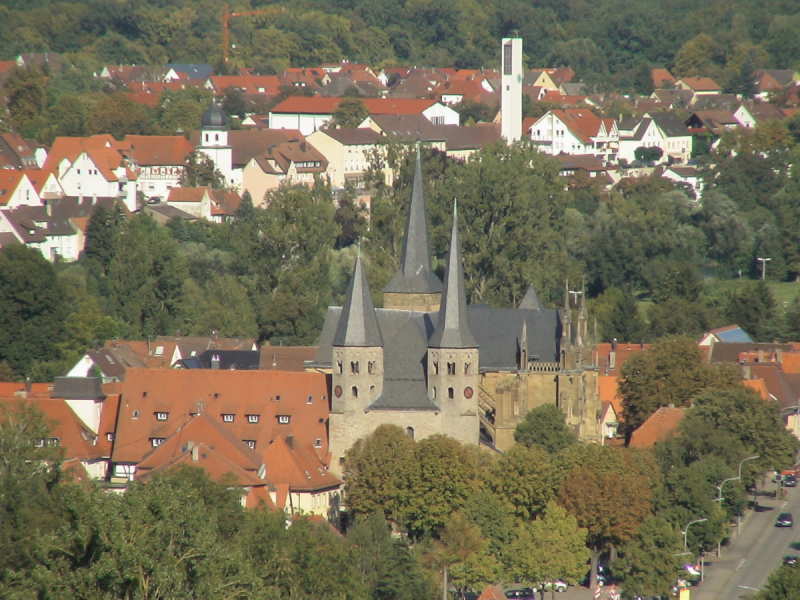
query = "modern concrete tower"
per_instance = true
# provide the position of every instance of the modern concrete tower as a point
(453, 352)
(415, 286)
(511, 93)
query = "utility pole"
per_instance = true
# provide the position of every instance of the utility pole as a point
(763, 262)
(444, 583)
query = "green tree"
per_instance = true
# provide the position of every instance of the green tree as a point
(120, 116)
(25, 88)
(546, 427)
(350, 113)
(647, 565)
(102, 232)
(524, 479)
(32, 319)
(671, 372)
(550, 548)
(201, 171)
(233, 103)
(783, 584)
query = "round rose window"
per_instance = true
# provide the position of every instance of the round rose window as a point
(337, 391)
(468, 393)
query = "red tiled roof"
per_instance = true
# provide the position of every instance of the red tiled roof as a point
(375, 106)
(37, 177)
(661, 76)
(182, 194)
(701, 84)
(147, 99)
(10, 180)
(301, 398)
(492, 592)
(608, 389)
(583, 122)
(658, 427)
(101, 149)
(621, 354)
(158, 150)
(286, 358)
(759, 386)
(288, 462)
(250, 84)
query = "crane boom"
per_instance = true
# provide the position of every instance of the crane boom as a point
(226, 17)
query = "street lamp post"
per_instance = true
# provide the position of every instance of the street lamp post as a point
(686, 531)
(763, 262)
(739, 517)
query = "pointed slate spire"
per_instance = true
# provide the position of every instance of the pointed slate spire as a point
(452, 329)
(531, 300)
(523, 346)
(415, 274)
(358, 325)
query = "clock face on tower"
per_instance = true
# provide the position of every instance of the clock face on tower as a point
(468, 393)
(337, 391)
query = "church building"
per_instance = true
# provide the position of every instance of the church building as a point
(429, 363)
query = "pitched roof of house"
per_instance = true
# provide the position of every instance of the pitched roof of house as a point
(660, 77)
(621, 353)
(38, 178)
(154, 354)
(158, 150)
(781, 386)
(10, 180)
(251, 84)
(492, 592)
(249, 143)
(674, 98)
(608, 389)
(185, 194)
(302, 397)
(409, 127)
(583, 123)
(16, 152)
(78, 388)
(730, 352)
(192, 70)
(101, 149)
(731, 333)
(290, 462)
(375, 106)
(700, 84)
(759, 386)
(353, 136)
(286, 358)
(670, 124)
(764, 112)
(658, 427)
(279, 158)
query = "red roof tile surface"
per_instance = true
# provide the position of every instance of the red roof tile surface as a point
(661, 424)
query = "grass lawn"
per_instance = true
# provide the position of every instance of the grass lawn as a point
(783, 291)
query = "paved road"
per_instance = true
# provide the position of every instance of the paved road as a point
(754, 554)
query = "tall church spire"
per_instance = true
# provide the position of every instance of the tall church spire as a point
(415, 275)
(358, 325)
(452, 329)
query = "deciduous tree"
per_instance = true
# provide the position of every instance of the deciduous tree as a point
(546, 427)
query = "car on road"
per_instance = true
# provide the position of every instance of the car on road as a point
(521, 594)
(790, 560)
(790, 481)
(784, 520)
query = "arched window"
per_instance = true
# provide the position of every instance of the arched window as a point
(410, 432)
(466, 368)
(451, 368)
(434, 393)
(451, 393)
(354, 391)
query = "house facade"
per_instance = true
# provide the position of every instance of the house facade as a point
(575, 131)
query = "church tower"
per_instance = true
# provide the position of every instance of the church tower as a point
(453, 352)
(214, 140)
(415, 286)
(511, 91)
(357, 362)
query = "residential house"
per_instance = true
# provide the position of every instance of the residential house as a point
(256, 407)
(228, 360)
(715, 102)
(407, 128)
(46, 184)
(662, 79)
(286, 358)
(539, 78)
(575, 131)
(609, 420)
(247, 84)
(159, 162)
(204, 203)
(728, 334)
(46, 61)
(660, 426)
(699, 86)
(673, 98)
(716, 122)
(309, 114)
(763, 112)
(589, 164)
(635, 133)
(348, 152)
(687, 175)
(771, 81)
(93, 167)
(191, 71)
(18, 153)
(663, 130)
(285, 163)
(16, 190)
(745, 117)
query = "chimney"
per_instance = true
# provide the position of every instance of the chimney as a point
(215, 362)
(761, 356)
(290, 441)
(614, 344)
(28, 385)
(274, 360)
(149, 353)
(303, 146)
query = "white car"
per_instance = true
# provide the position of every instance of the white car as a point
(560, 586)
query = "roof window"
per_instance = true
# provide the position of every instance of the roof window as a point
(227, 418)
(162, 416)
(284, 419)
(156, 442)
(252, 418)
(159, 350)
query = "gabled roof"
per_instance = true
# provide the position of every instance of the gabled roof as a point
(286, 358)
(584, 124)
(608, 389)
(39, 178)
(191, 195)
(700, 84)
(781, 387)
(249, 143)
(10, 180)
(353, 136)
(16, 152)
(531, 300)
(101, 149)
(670, 124)
(289, 462)
(660, 77)
(620, 354)
(658, 427)
(375, 106)
(158, 150)
(78, 388)
(302, 398)
(192, 71)
(250, 84)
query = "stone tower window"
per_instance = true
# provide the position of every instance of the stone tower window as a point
(371, 367)
(354, 391)
(434, 393)
(451, 393)
(451, 368)
(339, 366)
(354, 367)
(410, 432)
(435, 367)
(372, 392)
(467, 368)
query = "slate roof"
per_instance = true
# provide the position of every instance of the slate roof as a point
(415, 274)
(192, 71)
(78, 388)
(354, 136)
(238, 360)
(729, 352)
(670, 124)
(286, 358)
(358, 326)
(452, 327)
(531, 300)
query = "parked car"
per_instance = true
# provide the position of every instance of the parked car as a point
(790, 560)
(784, 520)
(153, 200)
(790, 481)
(521, 594)
(560, 586)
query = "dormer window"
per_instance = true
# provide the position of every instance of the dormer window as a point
(310, 400)
(159, 351)
(250, 444)
(283, 419)
(156, 442)
(227, 418)
(136, 414)
(162, 416)
(252, 418)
